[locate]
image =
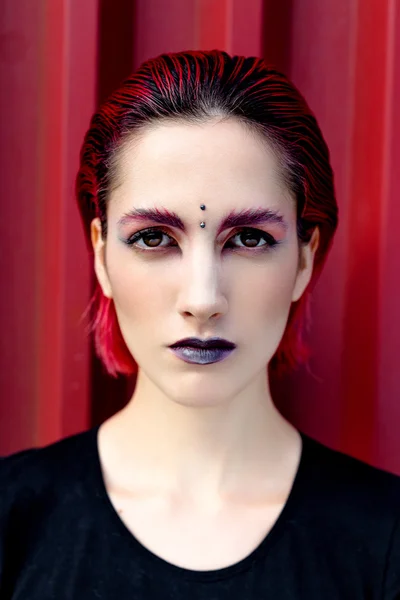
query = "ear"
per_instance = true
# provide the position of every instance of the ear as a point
(99, 247)
(306, 263)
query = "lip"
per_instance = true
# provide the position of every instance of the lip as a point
(211, 343)
(201, 356)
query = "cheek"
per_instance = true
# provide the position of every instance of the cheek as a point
(144, 293)
(263, 304)
(139, 290)
(135, 295)
(266, 292)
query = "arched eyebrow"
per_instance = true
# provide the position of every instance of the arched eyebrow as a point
(244, 218)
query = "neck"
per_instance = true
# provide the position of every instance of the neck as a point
(155, 442)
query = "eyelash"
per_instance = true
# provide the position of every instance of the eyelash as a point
(270, 244)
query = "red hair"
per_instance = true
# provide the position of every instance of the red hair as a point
(195, 87)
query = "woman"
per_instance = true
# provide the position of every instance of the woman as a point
(208, 200)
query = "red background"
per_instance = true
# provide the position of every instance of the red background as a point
(58, 60)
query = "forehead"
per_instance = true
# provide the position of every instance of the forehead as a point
(176, 161)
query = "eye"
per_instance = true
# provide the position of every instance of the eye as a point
(249, 238)
(151, 238)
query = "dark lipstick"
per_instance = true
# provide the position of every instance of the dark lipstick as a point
(203, 352)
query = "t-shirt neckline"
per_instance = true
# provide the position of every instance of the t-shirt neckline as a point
(156, 562)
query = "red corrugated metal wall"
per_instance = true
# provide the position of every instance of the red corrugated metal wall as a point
(59, 59)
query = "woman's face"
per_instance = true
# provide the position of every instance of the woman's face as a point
(234, 281)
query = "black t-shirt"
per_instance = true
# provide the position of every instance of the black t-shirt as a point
(338, 536)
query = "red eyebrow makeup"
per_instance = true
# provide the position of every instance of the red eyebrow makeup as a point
(244, 218)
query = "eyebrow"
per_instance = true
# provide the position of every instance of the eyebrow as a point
(243, 218)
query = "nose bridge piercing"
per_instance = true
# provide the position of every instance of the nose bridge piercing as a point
(203, 207)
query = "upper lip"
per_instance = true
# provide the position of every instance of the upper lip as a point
(213, 342)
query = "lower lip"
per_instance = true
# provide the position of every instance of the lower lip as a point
(200, 356)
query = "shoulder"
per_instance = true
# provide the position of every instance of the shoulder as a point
(42, 490)
(357, 506)
(350, 476)
(354, 497)
(31, 473)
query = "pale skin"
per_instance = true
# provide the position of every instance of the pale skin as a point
(200, 463)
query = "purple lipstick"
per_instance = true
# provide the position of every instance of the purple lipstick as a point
(202, 352)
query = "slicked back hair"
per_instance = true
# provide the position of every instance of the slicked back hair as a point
(197, 87)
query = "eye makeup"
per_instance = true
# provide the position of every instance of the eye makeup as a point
(269, 241)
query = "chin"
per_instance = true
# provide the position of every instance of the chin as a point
(199, 395)
(199, 401)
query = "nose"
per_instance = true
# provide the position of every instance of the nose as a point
(201, 289)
